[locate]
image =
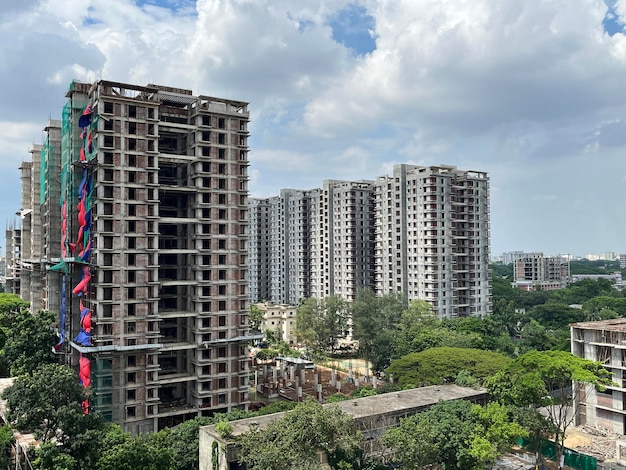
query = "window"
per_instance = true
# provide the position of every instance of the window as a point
(130, 411)
(131, 377)
(131, 395)
(108, 107)
(131, 327)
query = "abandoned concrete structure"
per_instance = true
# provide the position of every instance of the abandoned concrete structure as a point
(374, 415)
(142, 248)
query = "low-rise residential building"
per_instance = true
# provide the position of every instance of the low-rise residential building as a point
(279, 318)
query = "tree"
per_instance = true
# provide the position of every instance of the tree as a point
(320, 322)
(375, 323)
(46, 401)
(255, 317)
(455, 434)
(30, 341)
(417, 320)
(440, 365)
(544, 379)
(412, 444)
(556, 315)
(10, 304)
(494, 433)
(293, 442)
(143, 452)
(6, 442)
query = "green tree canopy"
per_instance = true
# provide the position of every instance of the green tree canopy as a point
(46, 401)
(255, 317)
(455, 434)
(375, 324)
(29, 341)
(293, 442)
(320, 322)
(440, 365)
(544, 378)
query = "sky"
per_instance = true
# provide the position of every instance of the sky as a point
(532, 92)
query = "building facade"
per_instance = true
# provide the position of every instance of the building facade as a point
(602, 341)
(312, 243)
(144, 230)
(422, 232)
(536, 271)
(433, 238)
(279, 318)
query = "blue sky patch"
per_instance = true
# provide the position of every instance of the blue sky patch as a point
(611, 21)
(175, 6)
(351, 27)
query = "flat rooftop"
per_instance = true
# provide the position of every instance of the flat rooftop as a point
(617, 324)
(394, 403)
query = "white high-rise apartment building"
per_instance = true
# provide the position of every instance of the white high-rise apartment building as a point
(432, 237)
(317, 243)
(423, 232)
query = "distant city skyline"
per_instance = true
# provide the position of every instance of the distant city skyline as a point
(530, 92)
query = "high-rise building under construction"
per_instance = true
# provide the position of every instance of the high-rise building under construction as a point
(143, 200)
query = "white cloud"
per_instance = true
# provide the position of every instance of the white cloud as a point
(529, 91)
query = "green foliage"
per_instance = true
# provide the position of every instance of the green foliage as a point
(255, 317)
(413, 444)
(320, 322)
(366, 391)
(224, 429)
(555, 315)
(465, 379)
(30, 341)
(6, 441)
(337, 397)
(265, 354)
(440, 365)
(48, 456)
(136, 452)
(184, 443)
(46, 401)
(10, 305)
(375, 323)
(593, 307)
(585, 266)
(544, 378)
(455, 434)
(500, 270)
(293, 442)
(494, 433)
